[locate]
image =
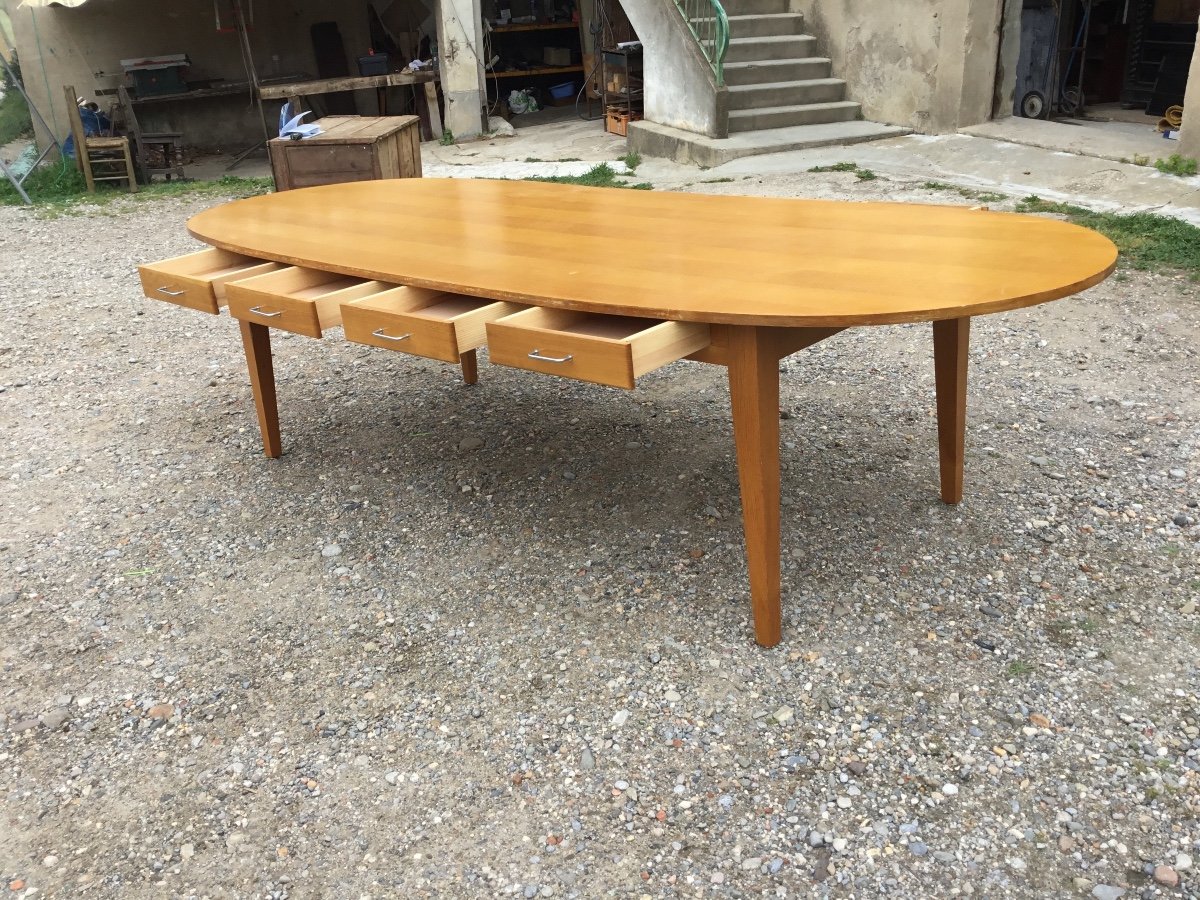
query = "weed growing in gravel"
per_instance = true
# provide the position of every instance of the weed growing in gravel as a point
(632, 160)
(1175, 164)
(860, 173)
(602, 175)
(58, 189)
(1146, 240)
(1018, 668)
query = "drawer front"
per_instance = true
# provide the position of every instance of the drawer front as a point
(275, 311)
(425, 323)
(297, 299)
(601, 349)
(198, 280)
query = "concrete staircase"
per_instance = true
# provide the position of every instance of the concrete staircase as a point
(775, 76)
(782, 94)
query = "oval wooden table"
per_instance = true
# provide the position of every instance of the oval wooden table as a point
(768, 276)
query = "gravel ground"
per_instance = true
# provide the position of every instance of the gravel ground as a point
(495, 640)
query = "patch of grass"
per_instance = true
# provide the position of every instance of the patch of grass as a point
(632, 160)
(597, 176)
(1146, 240)
(717, 180)
(860, 173)
(58, 189)
(1018, 668)
(447, 138)
(1183, 166)
(836, 167)
(1140, 160)
(14, 117)
(968, 193)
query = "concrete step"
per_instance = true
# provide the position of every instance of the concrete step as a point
(759, 25)
(756, 49)
(754, 7)
(788, 116)
(786, 93)
(776, 70)
(652, 139)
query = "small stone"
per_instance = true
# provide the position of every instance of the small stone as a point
(1066, 844)
(949, 789)
(620, 717)
(187, 851)
(631, 793)
(751, 863)
(1188, 608)
(621, 785)
(856, 767)
(815, 839)
(1039, 720)
(1166, 876)
(1107, 892)
(161, 711)
(1181, 520)
(843, 802)
(50, 861)
(783, 715)
(989, 610)
(1183, 862)
(56, 718)
(1016, 862)
(329, 551)
(718, 878)
(391, 777)
(672, 696)
(1177, 474)
(470, 443)
(587, 761)
(17, 884)
(1040, 461)
(918, 849)
(25, 725)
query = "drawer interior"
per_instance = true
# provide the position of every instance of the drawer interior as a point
(207, 265)
(569, 321)
(308, 284)
(424, 302)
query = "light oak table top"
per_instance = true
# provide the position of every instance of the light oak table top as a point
(688, 257)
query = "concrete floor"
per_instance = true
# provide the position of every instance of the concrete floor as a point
(1016, 157)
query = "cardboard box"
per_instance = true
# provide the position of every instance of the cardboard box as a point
(556, 56)
(617, 121)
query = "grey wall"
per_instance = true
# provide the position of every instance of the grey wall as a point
(681, 89)
(926, 64)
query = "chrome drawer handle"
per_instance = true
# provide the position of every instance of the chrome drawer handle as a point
(259, 311)
(390, 337)
(171, 293)
(537, 354)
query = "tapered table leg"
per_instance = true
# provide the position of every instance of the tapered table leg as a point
(256, 341)
(950, 340)
(470, 366)
(754, 396)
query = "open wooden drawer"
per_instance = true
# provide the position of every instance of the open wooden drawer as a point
(422, 321)
(198, 280)
(612, 350)
(298, 299)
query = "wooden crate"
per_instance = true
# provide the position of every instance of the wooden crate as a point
(350, 148)
(616, 121)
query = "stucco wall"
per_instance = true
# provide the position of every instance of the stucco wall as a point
(926, 64)
(1189, 135)
(681, 90)
(83, 47)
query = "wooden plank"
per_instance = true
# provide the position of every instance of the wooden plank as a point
(333, 85)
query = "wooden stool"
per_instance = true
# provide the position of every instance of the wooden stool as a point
(158, 153)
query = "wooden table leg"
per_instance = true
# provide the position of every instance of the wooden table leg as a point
(256, 341)
(470, 366)
(950, 340)
(754, 396)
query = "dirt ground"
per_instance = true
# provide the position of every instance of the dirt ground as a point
(495, 640)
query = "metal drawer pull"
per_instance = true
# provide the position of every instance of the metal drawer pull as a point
(171, 293)
(259, 311)
(390, 337)
(537, 354)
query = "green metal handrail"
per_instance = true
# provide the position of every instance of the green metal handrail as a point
(710, 26)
